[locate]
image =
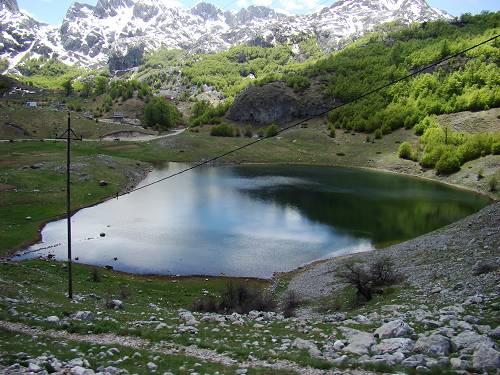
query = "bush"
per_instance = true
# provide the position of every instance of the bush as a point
(448, 163)
(332, 133)
(290, 303)
(160, 114)
(223, 130)
(366, 279)
(405, 151)
(493, 183)
(248, 131)
(237, 298)
(378, 134)
(271, 131)
(495, 148)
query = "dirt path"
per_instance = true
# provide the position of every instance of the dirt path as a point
(169, 349)
(144, 138)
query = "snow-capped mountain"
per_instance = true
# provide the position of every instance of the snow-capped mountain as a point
(94, 35)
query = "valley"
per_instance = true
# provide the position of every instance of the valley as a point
(359, 240)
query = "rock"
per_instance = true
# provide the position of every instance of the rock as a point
(78, 370)
(33, 367)
(338, 345)
(468, 341)
(187, 317)
(414, 361)
(103, 183)
(115, 304)
(160, 326)
(52, 319)
(435, 344)
(389, 346)
(187, 329)
(395, 328)
(151, 366)
(360, 342)
(486, 358)
(82, 315)
(304, 344)
(102, 234)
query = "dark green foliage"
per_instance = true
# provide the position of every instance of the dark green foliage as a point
(448, 163)
(332, 132)
(271, 131)
(297, 83)
(68, 87)
(405, 150)
(248, 131)
(469, 83)
(493, 183)
(223, 130)
(204, 113)
(160, 114)
(236, 298)
(495, 148)
(378, 134)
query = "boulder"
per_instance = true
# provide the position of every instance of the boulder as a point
(389, 346)
(187, 317)
(115, 304)
(468, 341)
(304, 344)
(52, 319)
(360, 342)
(82, 315)
(486, 358)
(79, 370)
(394, 328)
(435, 344)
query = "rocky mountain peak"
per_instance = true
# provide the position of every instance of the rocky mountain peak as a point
(11, 5)
(89, 34)
(206, 11)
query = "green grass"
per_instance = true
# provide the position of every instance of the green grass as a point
(45, 122)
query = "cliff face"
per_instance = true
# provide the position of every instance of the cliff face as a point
(277, 103)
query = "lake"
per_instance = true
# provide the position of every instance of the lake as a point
(254, 220)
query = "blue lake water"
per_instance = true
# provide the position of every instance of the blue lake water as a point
(254, 220)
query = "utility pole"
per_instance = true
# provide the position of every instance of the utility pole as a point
(69, 135)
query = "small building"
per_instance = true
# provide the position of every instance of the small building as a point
(31, 104)
(118, 116)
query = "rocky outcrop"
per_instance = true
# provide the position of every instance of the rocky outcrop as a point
(132, 57)
(11, 5)
(277, 103)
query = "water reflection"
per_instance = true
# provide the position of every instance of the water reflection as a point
(255, 220)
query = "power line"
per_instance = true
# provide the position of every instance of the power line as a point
(312, 117)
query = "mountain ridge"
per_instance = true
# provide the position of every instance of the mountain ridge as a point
(92, 35)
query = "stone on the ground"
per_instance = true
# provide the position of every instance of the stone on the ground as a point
(486, 358)
(82, 315)
(187, 317)
(360, 342)
(435, 344)
(389, 346)
(52, 319)
(151, 366)
(394, 328)
(468, 341)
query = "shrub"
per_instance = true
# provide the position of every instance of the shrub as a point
(493, 183)
(236, 298)
(495, 148)
(248, 131)
(298, 83)
(405, 150)
(332, 133)
(161, 114)
(290, 303)
(426, 123)
(378, 134)
(95, 276)
(272, 130)
(366, 279)
(222, 130)
(448, 163)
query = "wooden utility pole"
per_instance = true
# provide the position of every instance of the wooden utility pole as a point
(69, 135)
